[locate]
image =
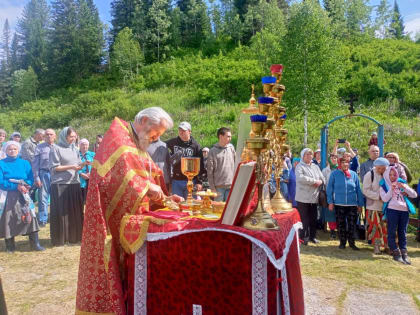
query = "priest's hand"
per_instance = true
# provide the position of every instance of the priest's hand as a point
(155, 192)
(176, 198)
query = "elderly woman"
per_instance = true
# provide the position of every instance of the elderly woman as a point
(377, 231)
(402, 169)
(87, 157)
(17, 217)
(66, 215)
(329, 216)
(308, 180)
(345, 196)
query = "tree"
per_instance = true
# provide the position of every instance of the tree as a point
(24, 86)
(89, 37)
(33, 28)
(358, 18)
(336, 10)
(5, 83)
(195, 23)
(124, 14)
(64, 54)
(382, 20)
(6, 45)
(15, 54)
(266, 43)
(126, 57)
(397, 27)
(312, 64)
(175, 28)
(157, 32)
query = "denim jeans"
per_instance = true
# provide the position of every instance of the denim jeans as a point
(179, 187)
(397, 221)
(43, 196)
(222, 194)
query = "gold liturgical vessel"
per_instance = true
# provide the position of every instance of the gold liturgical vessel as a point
(259, 219)
(190, 167)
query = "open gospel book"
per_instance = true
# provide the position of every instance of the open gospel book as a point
(240, 194)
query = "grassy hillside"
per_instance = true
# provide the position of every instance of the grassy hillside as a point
(91, 112)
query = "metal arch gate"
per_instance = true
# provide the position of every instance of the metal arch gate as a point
(324, 136)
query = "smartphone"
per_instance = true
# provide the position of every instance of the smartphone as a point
(341, 140)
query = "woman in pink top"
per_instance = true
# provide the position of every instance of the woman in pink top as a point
(394, 193)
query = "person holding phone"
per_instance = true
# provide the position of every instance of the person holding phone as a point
(66, 213)
(87, 157)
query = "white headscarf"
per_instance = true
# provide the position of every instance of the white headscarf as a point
(9, 143)
(302, 154)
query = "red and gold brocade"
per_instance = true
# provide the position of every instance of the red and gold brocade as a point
(120, 177)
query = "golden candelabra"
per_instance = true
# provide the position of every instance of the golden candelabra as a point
(266, 145)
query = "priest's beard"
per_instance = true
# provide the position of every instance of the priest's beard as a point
(144, 140)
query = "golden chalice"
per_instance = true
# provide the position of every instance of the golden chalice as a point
(190, 167)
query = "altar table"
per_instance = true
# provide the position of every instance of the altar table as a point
(192, 266)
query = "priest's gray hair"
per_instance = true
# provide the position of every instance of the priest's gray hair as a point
(156, 116)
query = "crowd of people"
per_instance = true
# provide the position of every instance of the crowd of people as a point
(56, 175)
(382, 190)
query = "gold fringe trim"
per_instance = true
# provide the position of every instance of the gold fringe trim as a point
(131, 248)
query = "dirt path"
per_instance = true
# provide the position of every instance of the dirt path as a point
(326, 297)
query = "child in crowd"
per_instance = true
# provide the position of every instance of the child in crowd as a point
(394, 192)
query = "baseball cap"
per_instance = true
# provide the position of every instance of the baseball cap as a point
(185, 126)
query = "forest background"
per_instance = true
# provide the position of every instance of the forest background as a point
(198, 59)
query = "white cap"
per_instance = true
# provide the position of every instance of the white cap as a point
(206, 149)
(185, 126)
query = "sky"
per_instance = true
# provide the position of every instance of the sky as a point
(12, 9)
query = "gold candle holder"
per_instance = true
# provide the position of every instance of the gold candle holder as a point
(259, 219)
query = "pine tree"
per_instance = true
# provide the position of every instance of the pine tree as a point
(33, 28)
(90, 37)
(382, 20)
(124, 14)
(396, 29)
(5, 84)
(175, 28)
(15, 54)
(64, 53)
(195, 22)
(6, 46)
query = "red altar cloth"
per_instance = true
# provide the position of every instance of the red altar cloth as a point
(193, 266)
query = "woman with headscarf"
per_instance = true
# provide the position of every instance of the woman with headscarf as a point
(17, 217)
(308, 180)
(345, 196)
(377, 231)
(66, 215)
(329, 216)
(394, 192)
(402, 169)
(84, 173)
(291, 185)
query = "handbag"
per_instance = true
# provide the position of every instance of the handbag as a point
(322, 197)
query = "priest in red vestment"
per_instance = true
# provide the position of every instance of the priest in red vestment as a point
(123, 182)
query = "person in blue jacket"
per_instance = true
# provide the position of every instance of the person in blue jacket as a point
(345, 196)
(18, 217)
(84, 173)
